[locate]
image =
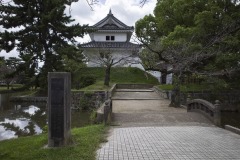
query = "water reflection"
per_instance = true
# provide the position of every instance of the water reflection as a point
(22, 121)
(31, 110)
(6, 134)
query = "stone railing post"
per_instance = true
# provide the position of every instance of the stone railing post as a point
(188, 97)
(106, 95)
(217, 113)
(106, 111)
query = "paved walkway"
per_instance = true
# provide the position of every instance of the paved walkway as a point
(175, 143)
(148, 129)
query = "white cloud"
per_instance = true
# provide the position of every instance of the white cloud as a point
(127, 11)
(13, 53)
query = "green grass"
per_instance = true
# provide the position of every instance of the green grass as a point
(185, 88)
(19, 93)
(118, 75)
(167, 87)
(14, 86)
(87, 141)
(98, 86)
(13, 90)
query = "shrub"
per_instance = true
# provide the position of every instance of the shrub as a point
(93, 116)
(215, 84)
(84, 81)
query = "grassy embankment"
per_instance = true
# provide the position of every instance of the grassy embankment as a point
(86, 142)
(118, 75)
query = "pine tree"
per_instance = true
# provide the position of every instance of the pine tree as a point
(39, 29)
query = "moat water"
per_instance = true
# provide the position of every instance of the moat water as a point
(23, 119)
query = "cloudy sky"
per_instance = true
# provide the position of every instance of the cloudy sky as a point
(128, 11)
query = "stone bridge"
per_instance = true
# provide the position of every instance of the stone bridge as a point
(145, 127)
(144, 107)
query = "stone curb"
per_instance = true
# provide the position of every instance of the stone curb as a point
(232, 129)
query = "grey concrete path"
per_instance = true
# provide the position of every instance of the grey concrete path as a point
(146, 128)
(140, 95)
(171, 143)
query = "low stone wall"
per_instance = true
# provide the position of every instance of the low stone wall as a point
(134, 86)
(109, 94)
(95, 98)
(104, 112)
(232, 129)
(162, 93)
(28, 99)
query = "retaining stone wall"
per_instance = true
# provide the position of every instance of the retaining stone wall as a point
(134, 86)
(96, 98)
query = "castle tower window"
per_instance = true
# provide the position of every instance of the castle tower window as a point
(110, 38)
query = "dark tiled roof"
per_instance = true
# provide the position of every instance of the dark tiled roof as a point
(126, 45)
(112, 24)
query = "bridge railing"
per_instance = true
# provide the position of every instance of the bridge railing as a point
(211, 111)
(104, 112)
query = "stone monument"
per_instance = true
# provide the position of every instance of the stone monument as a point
(59, 109)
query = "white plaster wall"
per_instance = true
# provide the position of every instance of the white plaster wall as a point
(93, 57)
(169, 78)
(156, 74)
(101, 37)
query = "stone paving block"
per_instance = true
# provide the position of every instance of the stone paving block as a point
(172, 142)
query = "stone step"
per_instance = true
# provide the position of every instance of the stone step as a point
(125, 98)
(134, 90)
(136, 95)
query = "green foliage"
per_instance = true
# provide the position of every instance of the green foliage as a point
(84, 81)
(45, 129)
(8, 69)
(86, 142)
(209, 84)
(215, 84)
(192, 37)
(44, 33)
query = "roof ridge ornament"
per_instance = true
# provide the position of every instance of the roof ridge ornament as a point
(110, 19)
(110, 12)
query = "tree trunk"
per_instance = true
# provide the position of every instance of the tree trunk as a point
(163, 78)
(176, 94)
(107, 76)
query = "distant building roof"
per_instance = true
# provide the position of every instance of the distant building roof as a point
(127, 45)
(110, 22)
